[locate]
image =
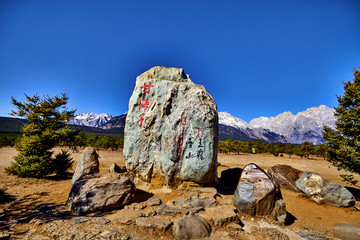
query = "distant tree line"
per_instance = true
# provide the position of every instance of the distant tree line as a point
(99, 142)
(277, 149)
(81, 140)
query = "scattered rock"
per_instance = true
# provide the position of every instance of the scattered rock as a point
(347, 231)
(171, 129)
(68, 229)
(125, 216)
(154, 201)
(231, 176)
(220, 215)
(311, 236)
(88, 164)
(166, 210)
(102, 191)
(256, 194)
(191, 226)
(285, 176)
(192, 201)
(323, 191)
(155, 222)
(273, 233)
(234, 226)
(114, 168)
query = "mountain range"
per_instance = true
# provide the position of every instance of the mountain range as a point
(285, 127)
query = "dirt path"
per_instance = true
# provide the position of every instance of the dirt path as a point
(26, 194)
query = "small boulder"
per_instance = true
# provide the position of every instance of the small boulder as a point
(102, 191)
(191, 226)
(285, 176)
(114, 168)
(88, 164)
(257, 194)
(323, 191)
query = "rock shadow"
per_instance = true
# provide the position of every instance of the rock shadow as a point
(290, 219)
(228, 181)
(355, 192)
(141, 196)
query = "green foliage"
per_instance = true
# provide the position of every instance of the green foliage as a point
(306, 149)
(46, 127)
(344, 142)
(8, 140)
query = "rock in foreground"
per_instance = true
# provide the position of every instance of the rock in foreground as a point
(256, 194)
(88, 164)
(323, 191)
(191, 226)
(171, 128)
(100, 192)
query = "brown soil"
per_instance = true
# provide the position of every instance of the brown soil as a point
(25, 194)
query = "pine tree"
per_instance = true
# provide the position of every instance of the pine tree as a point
(344, 142)
(46, 127)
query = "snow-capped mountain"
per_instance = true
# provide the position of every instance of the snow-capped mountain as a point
(304, 126)
(91, 119)
(237, 129)
(115, 122)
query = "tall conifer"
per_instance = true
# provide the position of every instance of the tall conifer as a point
(344, 142)
(46, 127)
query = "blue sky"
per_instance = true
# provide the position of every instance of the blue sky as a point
(256, 58)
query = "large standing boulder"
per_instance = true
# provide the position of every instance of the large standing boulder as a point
(171, 128)
(323, 191)
(102, 191)
(285, 176)
(88, 164)
(257, 194)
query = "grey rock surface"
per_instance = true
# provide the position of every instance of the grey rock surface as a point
(256, 194)
(285, 176)
(102, 191)
(88, 164)
(347, 231)
(171, 128)
(220, 215)
(191, 226)
(155, 222)
(323, 191)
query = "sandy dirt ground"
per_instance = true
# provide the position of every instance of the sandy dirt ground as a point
(25, 194)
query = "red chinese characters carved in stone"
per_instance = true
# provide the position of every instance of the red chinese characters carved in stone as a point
(144, 105)
(141, 119)
(147, 87)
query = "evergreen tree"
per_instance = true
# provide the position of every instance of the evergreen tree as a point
(344, 142)
(47, 127)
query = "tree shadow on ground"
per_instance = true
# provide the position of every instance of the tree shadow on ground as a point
(4, 197)
(30, 208)
(355, 192)
(65, 176)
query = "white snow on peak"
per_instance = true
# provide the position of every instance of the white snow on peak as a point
(91, 119)
(304, 126)
(229, 120)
